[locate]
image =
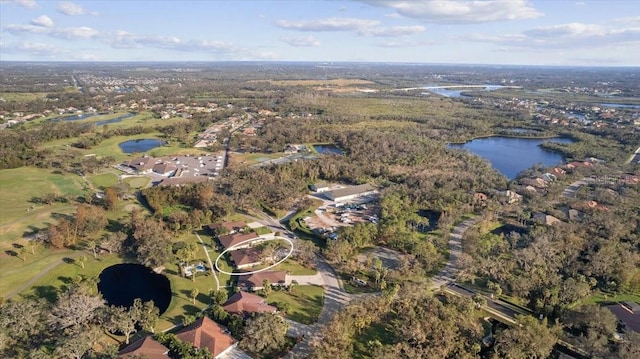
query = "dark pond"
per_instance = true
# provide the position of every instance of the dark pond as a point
(141, 145)
(114, 120)
(84, 116)
(512, 155)
(328, 150)
(120, 284)
(74, 117)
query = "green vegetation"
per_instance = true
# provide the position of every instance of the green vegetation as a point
(23, 190)
(137, 182)
(304, 303)
(104, 180)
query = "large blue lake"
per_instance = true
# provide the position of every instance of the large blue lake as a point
(142, 145)
(512, 155)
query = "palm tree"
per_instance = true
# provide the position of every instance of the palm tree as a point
(194, 294)
(81, 260)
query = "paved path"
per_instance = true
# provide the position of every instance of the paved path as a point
(449, 272)
(334, 300)
(213, 271)
(40, 274)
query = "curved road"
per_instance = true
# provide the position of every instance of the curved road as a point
(450, 271)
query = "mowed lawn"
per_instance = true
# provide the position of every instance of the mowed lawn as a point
(305, 302)
(20, 188)
(104, 180)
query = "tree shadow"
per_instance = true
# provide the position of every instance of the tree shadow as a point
(68, 260)
(31, 231)
(11, 253)
(170, 271)
(17, 245)
(190, 309)
(65, 280)
(48, 292)
(59, 216)
(114, 226)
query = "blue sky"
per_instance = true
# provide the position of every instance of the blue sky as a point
(519, 32)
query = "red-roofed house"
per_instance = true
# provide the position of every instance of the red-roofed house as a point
(245, 304)
(254, 281)
(145, 347)
(246, 257)
(205, 333)
(240, 240)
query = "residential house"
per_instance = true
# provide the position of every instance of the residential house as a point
(511, 196)
(205, 333)
(546, 219)
(254, 281)
(246, 304)
(246, 257)
(146, 347)
(238, 240)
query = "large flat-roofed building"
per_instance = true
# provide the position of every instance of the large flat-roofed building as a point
(349, 193)
(320, 187)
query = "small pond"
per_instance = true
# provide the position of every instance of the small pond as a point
(141, 145)
(511, 155)
(114, 120)
(120, 284)
(328, 150)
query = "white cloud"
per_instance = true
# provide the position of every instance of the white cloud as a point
(127, 40)
(71, 9)
(330, 24)
(361, 26)
(460, 11)
(628, 20)
(42, 20)
(301, 41)
(392, 31)
(69, 33)
(405, 43)
(565, 36)
(18, 29)
(34, 49)
(31, 4)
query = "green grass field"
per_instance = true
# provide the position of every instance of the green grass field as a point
(601, 298)
(20, 189)
(305, 301)
(137, 182)
(104, 180)
(22, 96)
